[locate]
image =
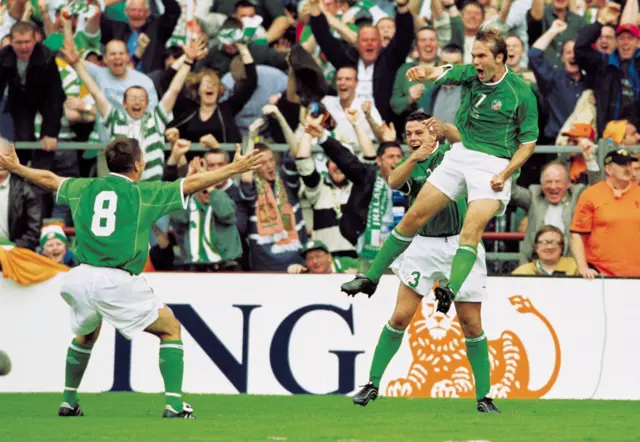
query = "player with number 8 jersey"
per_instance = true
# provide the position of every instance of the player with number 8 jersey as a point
(113, 218)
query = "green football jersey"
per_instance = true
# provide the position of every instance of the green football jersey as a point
(447, 222)
(113, 217)
(493, 118)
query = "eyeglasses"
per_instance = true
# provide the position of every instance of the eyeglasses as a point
(549, 242)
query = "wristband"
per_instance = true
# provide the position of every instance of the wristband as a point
(188, 63)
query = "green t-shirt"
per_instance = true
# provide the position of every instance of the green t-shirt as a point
(447, 222)
(113, 217)
(493, 118)
(343, 263)
(83, 41)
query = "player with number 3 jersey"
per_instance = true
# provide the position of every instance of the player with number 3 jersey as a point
(113, 217)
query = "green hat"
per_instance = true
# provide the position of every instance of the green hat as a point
(52, 231)
(313, 245)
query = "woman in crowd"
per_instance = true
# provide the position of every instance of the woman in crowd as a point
(547, 256)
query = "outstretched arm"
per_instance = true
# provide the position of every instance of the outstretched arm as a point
(44, 178)
(195, 51)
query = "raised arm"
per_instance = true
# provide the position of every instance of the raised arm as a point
(196, 50)
(243, 93)
(241, 164)
(72, 56)
(43, 178)
(289, 136)
(329, 45)
(366, 145)
(425, 73)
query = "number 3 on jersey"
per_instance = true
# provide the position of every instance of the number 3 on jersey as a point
(103, 222)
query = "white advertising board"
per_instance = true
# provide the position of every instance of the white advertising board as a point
(288, 334)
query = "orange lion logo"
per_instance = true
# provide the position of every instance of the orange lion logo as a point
(440, 367)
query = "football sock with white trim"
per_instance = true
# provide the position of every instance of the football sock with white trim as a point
(393, 246)
(388, 345)
(461, 266)
(478, 355)
(172, 370)
(77, 359)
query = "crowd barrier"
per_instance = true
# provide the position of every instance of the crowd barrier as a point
(282, 334)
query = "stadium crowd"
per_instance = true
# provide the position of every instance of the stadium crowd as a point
(255, 71)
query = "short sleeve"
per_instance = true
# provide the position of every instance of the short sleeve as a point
(456, 75)
(528, 119)
(70, 189)
(162, 198)
(162, 118)
(582, 221)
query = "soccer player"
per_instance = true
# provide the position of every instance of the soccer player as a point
(113, 217)
(426, 261)
(498, 124)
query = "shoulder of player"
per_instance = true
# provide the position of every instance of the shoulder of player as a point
(518, 83)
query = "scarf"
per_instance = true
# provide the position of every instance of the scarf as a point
(201, 234)
(275, 220)
(377, 209)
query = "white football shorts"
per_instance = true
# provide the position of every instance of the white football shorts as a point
(429, 259)
(465, 172)
(125, 301)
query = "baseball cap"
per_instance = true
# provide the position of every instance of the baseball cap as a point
(581, 130)
(619, 156)
(628, 27)
(313, 245)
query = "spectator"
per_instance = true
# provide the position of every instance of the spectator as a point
(607, 43)
(547, 259)
(622, 133)
(552, 202)
(376, 66)
(472, 18)
(606, 223)
(270, 81)
(11, 14)
(55, 246)
(584, 163)
(158, 29)
(540, 19)
(245, 12)
(29, 71)
(560, 87)
(221, 54)
(615, 79)
(211, 117)
(319, 261)
(276, 229)
(211, 241)
(20, 208)
(86, 38)
(346, 83)
(386, 27)
(329, 195)
(407, 96)
(146, 127)
(117, 77)
(174, 57)
(271, 11)
(369, 213)
(515, 52)
(445, 99)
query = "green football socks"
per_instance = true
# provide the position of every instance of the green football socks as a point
(478, 354)
(461, 266)
(393, 246)
(172, 370)
(388, 345)
(78, 356)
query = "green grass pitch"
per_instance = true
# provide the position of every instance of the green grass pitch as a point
(136, 417)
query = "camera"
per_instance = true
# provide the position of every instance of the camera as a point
(316, 109)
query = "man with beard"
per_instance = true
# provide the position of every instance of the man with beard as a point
(560, 88)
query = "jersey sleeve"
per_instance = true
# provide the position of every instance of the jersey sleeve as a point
(582, 221)
(457, 75)
(70, 189)
(161, 198)
(528, 119)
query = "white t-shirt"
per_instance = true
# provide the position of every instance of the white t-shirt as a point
(344, 131)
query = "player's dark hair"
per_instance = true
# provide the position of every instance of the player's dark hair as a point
(387, 145)
(452, 48)
(418, 116)
(243, 4)
(121, 154)
(22, 27)
(130, 88)
(493, 36)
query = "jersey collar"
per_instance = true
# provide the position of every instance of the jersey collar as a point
(506, 71)
(120, 176)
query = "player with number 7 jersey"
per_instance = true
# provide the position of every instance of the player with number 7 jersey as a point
(113, 217)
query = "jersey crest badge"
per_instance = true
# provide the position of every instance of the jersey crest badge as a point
(496, 105)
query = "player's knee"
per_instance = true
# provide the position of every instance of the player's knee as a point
(400, 321)
(174, 329)
(471, 326)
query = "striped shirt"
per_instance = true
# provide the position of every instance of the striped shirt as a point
(148, 130)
